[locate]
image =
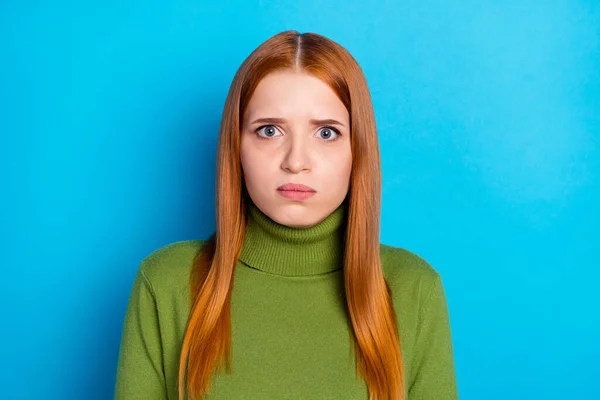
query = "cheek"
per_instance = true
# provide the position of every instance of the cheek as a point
(345, 161)
(248, 166)
(339, 168)
(345, 171)
(254, 165)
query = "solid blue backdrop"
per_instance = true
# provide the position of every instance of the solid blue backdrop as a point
(489, 123)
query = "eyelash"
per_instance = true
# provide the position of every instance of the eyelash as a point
(337, 132)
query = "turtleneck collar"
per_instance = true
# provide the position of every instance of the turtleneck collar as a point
(282, 250)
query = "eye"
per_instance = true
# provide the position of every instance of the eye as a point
(267, 131)
(327, 132)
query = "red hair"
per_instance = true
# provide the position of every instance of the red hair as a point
(207, 340)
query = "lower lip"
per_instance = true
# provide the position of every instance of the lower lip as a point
(295, 195)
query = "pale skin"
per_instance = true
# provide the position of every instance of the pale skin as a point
(295, 129)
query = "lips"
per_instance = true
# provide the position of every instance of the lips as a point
(295, 187)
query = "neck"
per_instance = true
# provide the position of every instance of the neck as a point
(282, 250)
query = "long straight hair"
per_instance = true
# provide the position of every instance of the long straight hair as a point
(207, 339)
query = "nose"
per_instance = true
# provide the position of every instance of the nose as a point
(297, 155)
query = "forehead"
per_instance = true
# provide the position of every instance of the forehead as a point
(291, 94)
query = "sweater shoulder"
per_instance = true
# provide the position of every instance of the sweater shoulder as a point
(169, 266)
(397, 260)
(407, 271)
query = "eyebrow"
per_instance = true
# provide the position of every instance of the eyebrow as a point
(328, 121)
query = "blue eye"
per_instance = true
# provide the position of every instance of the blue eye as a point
(268, 131)
(327, 132)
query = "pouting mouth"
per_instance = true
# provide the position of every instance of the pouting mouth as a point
(295, 187)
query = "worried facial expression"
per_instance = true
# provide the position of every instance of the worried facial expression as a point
(296, 131)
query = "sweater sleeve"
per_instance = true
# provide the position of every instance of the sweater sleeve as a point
(140, 373)
(434, 374)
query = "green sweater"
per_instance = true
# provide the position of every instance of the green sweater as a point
(290, 334)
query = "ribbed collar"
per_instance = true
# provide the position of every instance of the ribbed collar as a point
(283, 250)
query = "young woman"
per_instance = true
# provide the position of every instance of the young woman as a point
(293, 294)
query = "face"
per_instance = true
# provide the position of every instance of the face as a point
(296, 131)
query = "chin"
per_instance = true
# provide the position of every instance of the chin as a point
(294, 216)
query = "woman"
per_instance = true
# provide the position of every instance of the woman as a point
(293, 294)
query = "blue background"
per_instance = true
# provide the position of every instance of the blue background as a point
(489, 120)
